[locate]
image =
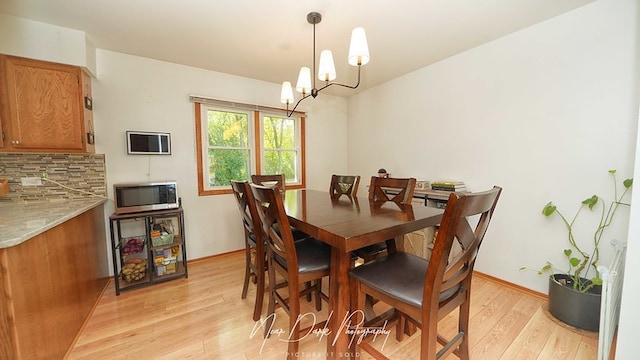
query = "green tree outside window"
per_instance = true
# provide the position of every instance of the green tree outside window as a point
(280, 153)
(229, 152)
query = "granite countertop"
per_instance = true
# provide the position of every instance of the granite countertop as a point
(22, 221)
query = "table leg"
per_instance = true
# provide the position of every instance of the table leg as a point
(339, 305)
(396, 244)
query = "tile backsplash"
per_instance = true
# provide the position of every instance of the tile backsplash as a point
(84, 173)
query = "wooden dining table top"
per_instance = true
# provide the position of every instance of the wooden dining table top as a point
(351, 223)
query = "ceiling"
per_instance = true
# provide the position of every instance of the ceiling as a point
(271, 40)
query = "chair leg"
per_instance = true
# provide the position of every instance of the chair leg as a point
(368, 307)
(308, 285)
(272, 301)
(400, 326)
(410, 328)
(317, 294)
(358, 299)
(463, 326)
(357, 302)
(260, 288)
(294, 324)
(429, 340)
(247, 271)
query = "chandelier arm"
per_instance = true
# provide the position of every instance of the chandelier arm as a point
(316, 91)
(343, 85)
(295, 107)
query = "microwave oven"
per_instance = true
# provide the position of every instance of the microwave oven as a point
(146, 196)
(148, 143)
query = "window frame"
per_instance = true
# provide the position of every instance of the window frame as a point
(256, 150)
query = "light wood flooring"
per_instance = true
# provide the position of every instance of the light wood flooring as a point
(203, 317)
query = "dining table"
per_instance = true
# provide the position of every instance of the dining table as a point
(346, 224)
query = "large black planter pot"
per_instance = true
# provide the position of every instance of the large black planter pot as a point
(578, 309)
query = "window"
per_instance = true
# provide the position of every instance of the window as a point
(281, 148)
(228, 151)
(237, 140)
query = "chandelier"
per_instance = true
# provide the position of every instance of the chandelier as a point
(358, 56)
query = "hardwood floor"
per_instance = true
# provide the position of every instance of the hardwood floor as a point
(203, 317)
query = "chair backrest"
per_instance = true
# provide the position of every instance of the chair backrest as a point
(275, 225)
(270, 180)
(398, 190)
(247, 207)
(453, 278)
(344, 185)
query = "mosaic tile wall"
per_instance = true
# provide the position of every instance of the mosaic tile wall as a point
(84, 172)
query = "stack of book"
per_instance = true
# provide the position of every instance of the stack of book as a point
(448, 186)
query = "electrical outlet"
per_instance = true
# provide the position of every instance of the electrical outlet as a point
(31, 181)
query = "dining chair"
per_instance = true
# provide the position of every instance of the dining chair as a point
(277, 180)
(381, 190)
(398, 190)
(296, 263)
(344, 185)
(255, 263)
(425, 291)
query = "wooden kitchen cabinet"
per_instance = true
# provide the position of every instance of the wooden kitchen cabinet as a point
(50, 284)
(45, 107)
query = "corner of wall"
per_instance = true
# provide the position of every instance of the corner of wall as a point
(37, 40)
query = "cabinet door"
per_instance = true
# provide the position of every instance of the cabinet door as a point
(44, 105)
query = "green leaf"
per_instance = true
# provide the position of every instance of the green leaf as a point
(613, 171)
(548, 209)
(596, 281)
(547, 267)
(523, 268)
(627, 183)
(574, 262)
(567, 252)
(591, 202)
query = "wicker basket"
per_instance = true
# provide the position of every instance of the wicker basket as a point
(134, 269)
(164, 239)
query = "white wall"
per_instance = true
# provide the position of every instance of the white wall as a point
(134, 93)
(543, 112)
(37, 40)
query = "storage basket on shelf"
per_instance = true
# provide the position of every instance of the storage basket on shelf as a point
(165, 260)
(134, 269)
(132, 245)
(163, 239)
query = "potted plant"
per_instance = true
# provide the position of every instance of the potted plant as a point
(574, 293)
